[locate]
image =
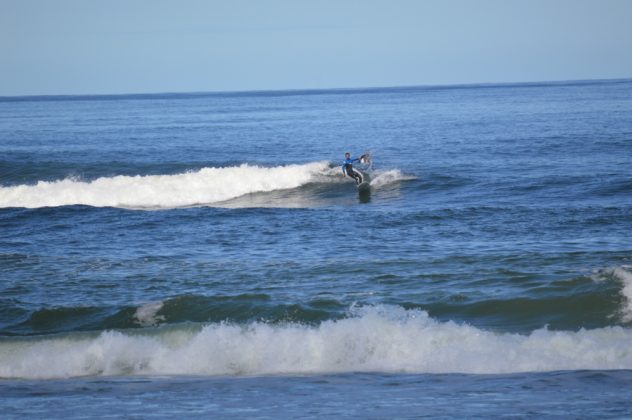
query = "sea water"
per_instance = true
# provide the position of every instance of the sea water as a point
(203, 254)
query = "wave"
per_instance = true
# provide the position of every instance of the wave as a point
(624, 275)
(241, 308)
(385, 339)
(382, 178)
(601, 300)
(207, 186)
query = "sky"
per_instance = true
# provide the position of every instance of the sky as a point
(151, 46)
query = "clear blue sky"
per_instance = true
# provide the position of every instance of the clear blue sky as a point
(138, 46)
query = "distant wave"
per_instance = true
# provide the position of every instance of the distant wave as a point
(375, 339)
(207, 186)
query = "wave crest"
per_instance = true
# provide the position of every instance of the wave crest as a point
(624, 275)
(382, 178)
(205, 186)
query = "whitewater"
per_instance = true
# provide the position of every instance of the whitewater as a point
(377, 339)
(206, 186)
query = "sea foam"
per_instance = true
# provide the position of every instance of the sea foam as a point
(624, 274)
(373, 339)
(147, 315)
(382, 178)
(205, 186)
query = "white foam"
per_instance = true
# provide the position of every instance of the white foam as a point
(147, 315)
(206, 186)
(376, 339)
(624, 274)
(388, 177)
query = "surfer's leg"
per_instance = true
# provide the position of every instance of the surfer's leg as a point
(354, 174)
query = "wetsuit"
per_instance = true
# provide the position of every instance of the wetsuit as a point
(347, 169)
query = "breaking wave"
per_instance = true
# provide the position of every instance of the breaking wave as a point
(386, 339)
(624, 275)
(207, 186)
(382, 178)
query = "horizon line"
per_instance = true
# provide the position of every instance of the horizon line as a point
(313, 91)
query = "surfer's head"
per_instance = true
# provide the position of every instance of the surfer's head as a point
(347, 155)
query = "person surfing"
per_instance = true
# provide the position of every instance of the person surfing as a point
(347, 168)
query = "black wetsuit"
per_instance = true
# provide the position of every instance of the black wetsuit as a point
(347, 168)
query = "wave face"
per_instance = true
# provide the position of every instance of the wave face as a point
(590, 302)
(374, 339)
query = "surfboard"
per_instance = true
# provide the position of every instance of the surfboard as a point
(364, 187)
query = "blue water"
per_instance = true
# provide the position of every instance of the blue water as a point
(202, 254)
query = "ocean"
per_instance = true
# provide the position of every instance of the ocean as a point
(202, 254)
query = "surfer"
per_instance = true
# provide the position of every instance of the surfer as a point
(347, 168)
